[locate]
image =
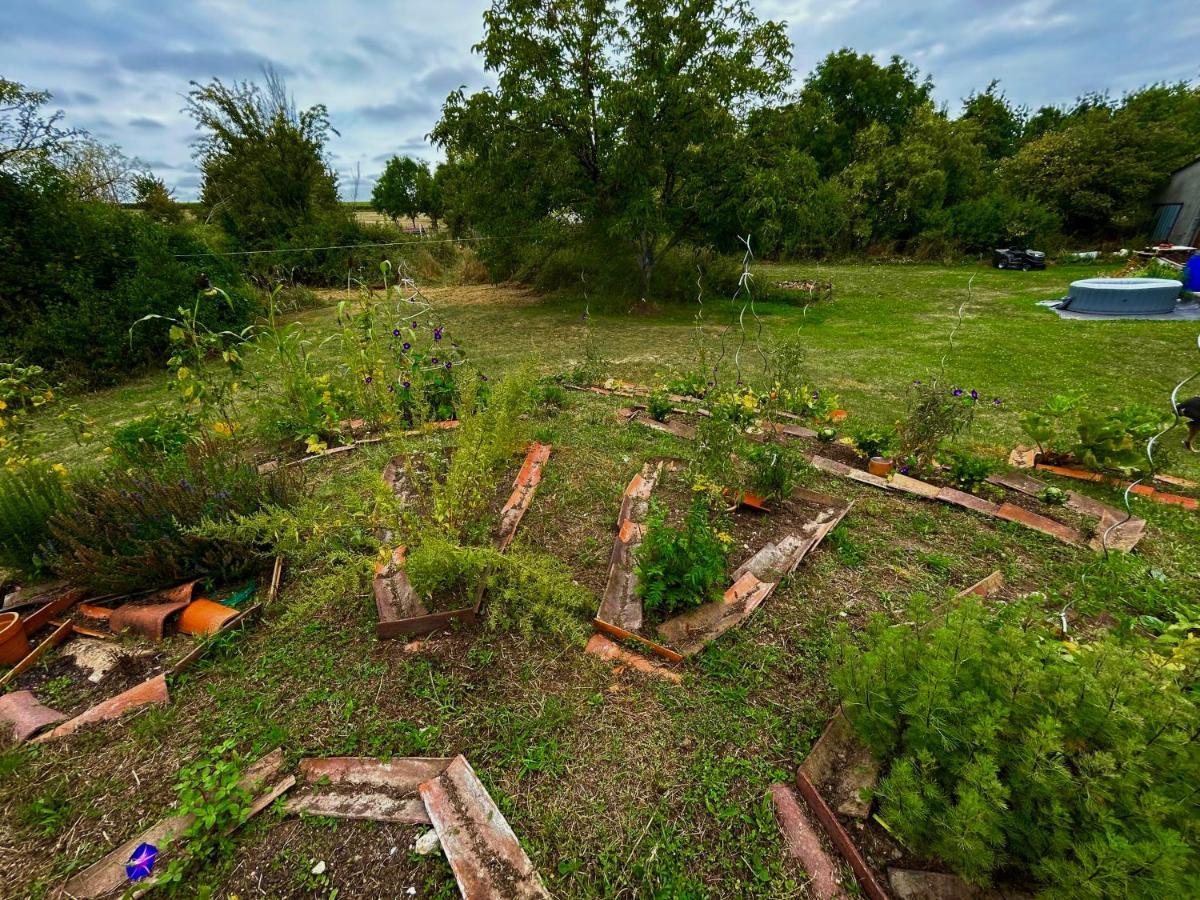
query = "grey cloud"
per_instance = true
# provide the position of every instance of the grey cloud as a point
(147, 124)
(200, 64)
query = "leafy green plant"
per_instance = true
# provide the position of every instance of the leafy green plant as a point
(1053, 496)
(680, 568)
(718, 438)
(1006, 750)
(526, 592)
(875, 440)
(30, 494)
(826, 434)
(774, 470)
(1117, 439)
(969, 471)
(1048, 424)
(209, 790)
(658, 404)
(23, 389)
(146, 439)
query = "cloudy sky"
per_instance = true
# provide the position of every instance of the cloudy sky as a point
(119, 68)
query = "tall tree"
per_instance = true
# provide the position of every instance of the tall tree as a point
(430, 193)
(621, 116)
(395, 193)
(262, 160)
(846, 93)
(999, 124)
(29, 135)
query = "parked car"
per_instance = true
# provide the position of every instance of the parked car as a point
(1018, 258)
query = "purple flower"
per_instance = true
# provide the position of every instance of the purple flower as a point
(482, 376)
(141, 863)
(433, 360)
(391, 389)
(437, 334)
(449, 364)
(413, 324)
(368, 379)
(957, 392)
(974, 394)
(407, 346)
(997, 402)
(395, 332)
(407, 385)
(904, 470)
(916, 381)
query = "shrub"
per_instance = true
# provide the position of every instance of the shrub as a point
(935, 415)
(1117, 439)
(658, 404)
(76, 275)
(527, 592)
(146, 439)
(30, 494)
(487, 438)
(774, 470)
(128, 529)
(1007, 750)
(875, 440)
(968, 471)
(717, 439)
(679, 568)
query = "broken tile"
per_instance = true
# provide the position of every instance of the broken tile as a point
(601, 646)
(689, 632)
(524, 488)
(804, 845)
(843, 767)
(967, 501)
(1064, 533)
(147, 619)
(25, 716)
(486, 857)
(152, 691)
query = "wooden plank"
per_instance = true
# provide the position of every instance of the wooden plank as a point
(60, 634)
(486, 857)
(424, 624)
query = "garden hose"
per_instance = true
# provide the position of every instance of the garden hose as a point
(1150, 456)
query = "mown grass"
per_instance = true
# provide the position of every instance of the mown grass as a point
(616, 785)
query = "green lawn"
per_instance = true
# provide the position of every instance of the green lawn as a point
(616, 785)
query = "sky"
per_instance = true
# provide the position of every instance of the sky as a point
(120, 68)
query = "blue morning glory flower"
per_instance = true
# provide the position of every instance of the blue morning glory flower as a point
(141, 863)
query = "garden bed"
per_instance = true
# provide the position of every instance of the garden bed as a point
(1025, 458)
(401, 611)
(772, 544)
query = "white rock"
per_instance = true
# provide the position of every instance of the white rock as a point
(427, 843)
(319, 868)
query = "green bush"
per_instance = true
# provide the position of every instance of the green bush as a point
(144, 440)
(30, 494)
(75, 275)
(679, 568)
(969, 471)
(874, 440)
(1006, 751)
(774, 470)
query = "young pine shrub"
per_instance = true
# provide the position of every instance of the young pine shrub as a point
(680, 568)
(1005, 750)
(488, 436)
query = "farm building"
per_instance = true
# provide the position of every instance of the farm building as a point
(1178, 208)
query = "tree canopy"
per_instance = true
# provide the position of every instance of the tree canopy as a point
(396, 191)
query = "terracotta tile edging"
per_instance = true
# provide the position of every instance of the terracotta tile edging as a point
(840, 838)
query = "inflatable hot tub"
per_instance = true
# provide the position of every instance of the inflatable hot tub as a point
(1123, 296)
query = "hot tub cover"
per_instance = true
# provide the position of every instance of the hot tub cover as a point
(1123, 296)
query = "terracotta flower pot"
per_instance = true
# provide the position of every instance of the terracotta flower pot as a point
(204, 616)
(14, 645)
(880, 466)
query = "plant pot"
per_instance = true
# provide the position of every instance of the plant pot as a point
(203, 616)
(14, 645)
(880, 466)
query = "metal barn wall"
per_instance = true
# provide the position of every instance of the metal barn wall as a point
(1184, 189)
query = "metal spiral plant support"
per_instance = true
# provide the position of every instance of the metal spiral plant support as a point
(1150, 456)
(957, 325)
